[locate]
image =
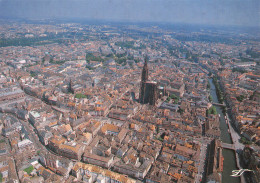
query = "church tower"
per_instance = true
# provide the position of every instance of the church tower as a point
(144, 79)
(70, 87)
(148, 89)
(145, 71)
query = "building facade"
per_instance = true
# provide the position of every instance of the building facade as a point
(148, 89)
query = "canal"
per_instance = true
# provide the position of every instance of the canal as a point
(229, 155)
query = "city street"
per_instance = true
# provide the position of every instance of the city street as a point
(203, 152)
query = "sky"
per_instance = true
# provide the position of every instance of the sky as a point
(206, 12)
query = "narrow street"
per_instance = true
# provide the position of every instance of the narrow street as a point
(201, 167)
(32, 135)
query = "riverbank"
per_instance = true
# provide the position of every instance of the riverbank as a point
(238, 146)
(230, 162)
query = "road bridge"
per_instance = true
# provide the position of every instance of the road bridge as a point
(228, 146)
(218, 104)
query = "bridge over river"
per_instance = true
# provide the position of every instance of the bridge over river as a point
(218, 104)
(230, 156)
(228, 146)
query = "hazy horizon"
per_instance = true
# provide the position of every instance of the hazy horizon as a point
(206, 12)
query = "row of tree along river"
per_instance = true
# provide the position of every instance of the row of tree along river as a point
(229, 155)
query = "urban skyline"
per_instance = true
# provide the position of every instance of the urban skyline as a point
(231, 12)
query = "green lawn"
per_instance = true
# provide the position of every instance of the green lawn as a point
(2, 140)
(80, 95)
(28, 170)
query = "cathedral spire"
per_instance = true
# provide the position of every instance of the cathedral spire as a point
(145, 61)
(70, 89)
(148, 90)
(145, 70)
(144, 79)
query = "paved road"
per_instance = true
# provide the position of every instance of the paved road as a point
(238, 146)
(33, 136)
(234, 135)
(203, 151)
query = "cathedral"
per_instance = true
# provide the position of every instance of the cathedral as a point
(148, 89)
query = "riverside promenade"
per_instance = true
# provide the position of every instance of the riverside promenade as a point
(236, 144)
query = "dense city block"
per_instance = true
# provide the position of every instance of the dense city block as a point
(127, 103)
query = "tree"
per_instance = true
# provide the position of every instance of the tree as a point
(28, 170)
(241, 70)
(91, 56)
(51, 60)
(157, 129)
(80, 95)
(180, 110)
(208, 85)
(110, 55)
(89, 67)
(33, 74)
(176, 100)
(160, 138)
(210, 98)
(224, 109)
(173, 96)
(168, 99)
(221, 61)
(214, 111)
(240, 98)
(243, 140)
(211, 110)
(195, 58)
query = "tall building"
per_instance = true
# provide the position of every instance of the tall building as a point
(148, 89)
(144, 78)
(70, 87)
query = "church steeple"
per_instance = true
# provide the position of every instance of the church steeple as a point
(144, 79)
(70, 89)
(145, 70)
(148, 89)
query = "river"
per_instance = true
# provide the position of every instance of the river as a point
(229, 155)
